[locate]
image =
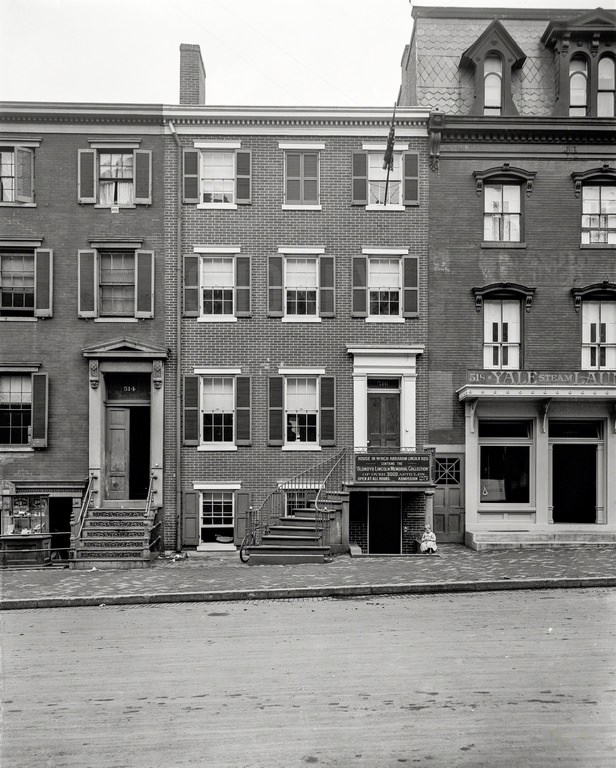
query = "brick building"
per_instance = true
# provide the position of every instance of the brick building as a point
(296, 303)
(522, 280)
(82, 342)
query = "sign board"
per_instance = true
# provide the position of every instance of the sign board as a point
(398, 468)
(542, 378)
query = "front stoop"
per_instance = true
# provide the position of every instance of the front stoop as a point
(115, 537)
(494, 540)
(294, 539)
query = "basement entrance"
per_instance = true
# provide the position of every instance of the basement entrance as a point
(384, 525)
(574, 483)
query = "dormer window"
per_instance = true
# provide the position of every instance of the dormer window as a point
(493, 85)
(578, 86)
(606, 88)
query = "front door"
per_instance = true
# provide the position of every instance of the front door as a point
(574, 483)
(384, 525)
(383, 419)
(448, 499)
(117, 453)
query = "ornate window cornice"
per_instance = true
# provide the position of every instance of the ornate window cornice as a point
(503, 291)
(604, 291)
(505, 173)
(598, 175)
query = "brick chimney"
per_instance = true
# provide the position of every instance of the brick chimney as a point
(192, 75)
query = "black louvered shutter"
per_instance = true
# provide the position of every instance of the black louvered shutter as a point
(276, 411)
(191, 410)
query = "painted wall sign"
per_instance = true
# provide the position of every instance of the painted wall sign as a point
(543, 378)
(392, 468)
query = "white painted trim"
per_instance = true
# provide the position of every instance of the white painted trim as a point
(302, 207)
(216, 486)
(217, 249)
(385, 251)
(384, 319)
(299, 145)
(217, 371)
(217, 206)
(306, 447)
(385, 208)
(118, 143)
(15, 141)
(301, 319)
(218, 144)
(307, 250)
(381, 147)
(217, 319)
(116, 320)
(301, 371)
(223, 448)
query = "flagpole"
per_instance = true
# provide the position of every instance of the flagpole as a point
(388, 159)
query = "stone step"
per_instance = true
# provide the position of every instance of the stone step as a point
(114, 514)
(136, 534)
(483, 540)
(277, 556)
(289, 529)
(289, 541)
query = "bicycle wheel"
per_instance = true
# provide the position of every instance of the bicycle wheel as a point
(247, 541)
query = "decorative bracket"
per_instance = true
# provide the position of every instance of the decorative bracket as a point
(94, 374)
(545, 405)
(473, 404)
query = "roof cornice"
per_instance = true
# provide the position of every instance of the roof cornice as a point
(535, 129)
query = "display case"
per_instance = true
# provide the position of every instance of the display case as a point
(25, 537)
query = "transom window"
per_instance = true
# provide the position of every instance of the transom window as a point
(384, 282)
(501, 334)
(502, 213)
(301, 286)
(116, 177)
(217, 177)
(301, 410)
(493, 85)
(218, 409)
(17, 284)
(301, 178)
(599, 335)
(15, 409)
(606, 88)
(598, 214)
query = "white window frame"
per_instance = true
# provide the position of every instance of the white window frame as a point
(217, 373)
(502, 216)
(28, 147)
(212, 490)
(223, 252)
(598, 335)
(26, 252)
(313, 317)
(604, 220)
(505, 317)
(26, 377)
(372, 259)
(307, 374)
(508, 442)
(493, 110)
(228, 147)
(376, 153)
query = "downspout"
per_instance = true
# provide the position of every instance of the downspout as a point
(178, 346)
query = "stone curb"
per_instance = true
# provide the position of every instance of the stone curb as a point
(287, 593)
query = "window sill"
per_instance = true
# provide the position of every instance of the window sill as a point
(217, 206)
(217, 448)
(111, 207)
(598, 246)
(17, 204)
(217, 319)
(384, 207)
(301, 207)
(115, 320)
(501, 244)
(306, 319)
(18, 319)
(16, 449)
(302, 447)
(379, 319)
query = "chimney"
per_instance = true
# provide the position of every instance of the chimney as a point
(192, 75)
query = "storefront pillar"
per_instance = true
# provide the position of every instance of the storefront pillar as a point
(429, 513)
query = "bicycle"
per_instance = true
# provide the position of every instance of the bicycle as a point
(250, 540)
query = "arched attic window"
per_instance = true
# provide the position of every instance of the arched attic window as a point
(597, 303)
(606, 87)
(578, 86)
(493, 56)
(501, 304)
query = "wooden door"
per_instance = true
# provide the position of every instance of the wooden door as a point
(383, 420)
(117, 453)
(449, 499)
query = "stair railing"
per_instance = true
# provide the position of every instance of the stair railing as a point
(153, 517)
(77, 525)
(274, 506)
(331, 493)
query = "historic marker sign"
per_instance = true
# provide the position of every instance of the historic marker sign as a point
(392, 468)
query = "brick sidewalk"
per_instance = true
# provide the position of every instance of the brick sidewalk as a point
(214, 576)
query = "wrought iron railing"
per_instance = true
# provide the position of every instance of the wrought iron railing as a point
(77, 525)
(152, 514)
(332, 492)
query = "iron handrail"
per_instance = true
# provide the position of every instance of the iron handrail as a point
(87, 501)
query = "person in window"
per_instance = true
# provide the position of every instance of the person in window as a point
(428, 541)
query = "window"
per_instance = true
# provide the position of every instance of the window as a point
(446, 470)
(370, 186)
(504, 461)
(25, 282)
(385, 285)
(598, 214)
(502, 213)
(301, 186)
(217, 515)
(217, 410)
(23, 409)
(217, 175)
(216, 284)
(578, 86)
(492, 85)
(16, 175)
(501, 334)
(606, 88)
(599, 335)
(116, 283)
(301, 411)
(115, 177)
(301, 285)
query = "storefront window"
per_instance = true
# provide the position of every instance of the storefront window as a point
(505, 461)
(25, 515)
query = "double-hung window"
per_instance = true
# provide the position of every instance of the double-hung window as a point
(502, 213)
(17, 174)
(25, 282)
(217, 175)
(301, 284)
(301, 175)
(377, 188)
(578, 86)
(301, 409)
(23, 408)
(385, 285)
(599, 335)
(216, 284)
(606, 88)
(217, 409)
(116, 282)
(501, 334)
(115, 176)
(599, 214)
(493, 85)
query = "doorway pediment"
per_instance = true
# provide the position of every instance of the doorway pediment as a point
(125, 348)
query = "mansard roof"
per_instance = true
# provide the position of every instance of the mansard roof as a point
(597, 22)
(495, 36)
